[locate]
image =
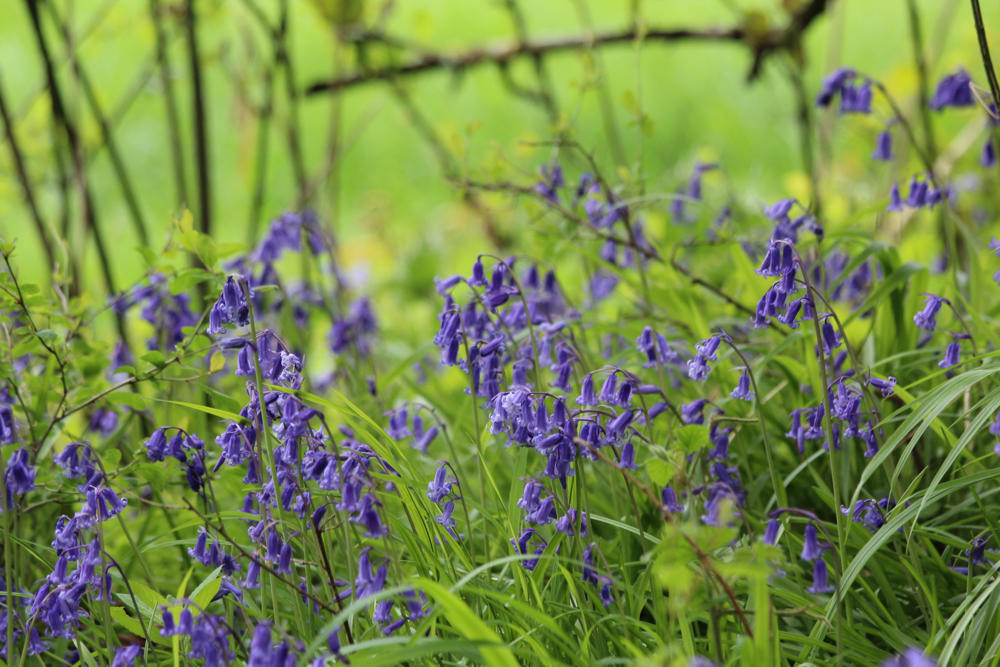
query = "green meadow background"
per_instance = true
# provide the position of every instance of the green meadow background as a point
(396, 216)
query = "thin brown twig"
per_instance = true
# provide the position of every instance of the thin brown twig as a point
(703, 558)
(25, 182)
(170, 103)
(117, 161)
(762, 44)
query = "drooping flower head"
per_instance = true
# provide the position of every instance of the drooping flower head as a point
(231, 306)
(926, 318)
(953, 91)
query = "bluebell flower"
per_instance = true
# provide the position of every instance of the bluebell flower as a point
(797, 432)
(583, 186)
(719, 437)
(398, 428)
(523, 543)
(830, 338)
(587, 397)
(552, 179)
(657, 409)
(779, 259)
(591, 576)
(832, 84)
(658, 352)
(543, 514)
(911, 657)
(601, 284)
(743, 391)
(670, 501)
(771, 532)
(820, 583)
(856, 99)
(8, 427)
(615, 427)
(566, 524)
(988, 156)
(262, 652)
(919, 191)
(356, 329)
(368, 516)
(701, 661)
(252, 579)
(883, 146)
(718, 497)
(925, 319)
(692, 413)
(951, 355)
(886, 386)
(366, 582)
(627, 458)
(103, 421)
(19, 477)
(441, 485)
(605, 595)
(953, 91)
(231, 306)
(383, 611)
(423, 441)
(608, 389)
(693, 192)
(895, 201)
(705, 351)
(285, 559)
(77, 461)
(811, 547)
(869, 512)
(976, 553)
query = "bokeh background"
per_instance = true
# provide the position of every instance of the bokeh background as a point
(381, 159)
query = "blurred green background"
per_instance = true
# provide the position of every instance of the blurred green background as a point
(386, 197)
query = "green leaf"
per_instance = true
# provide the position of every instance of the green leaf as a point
(692, 438)
(131, 624)
(148, 256)
(207, 589)
(468, 624)
(154, 357)
(660, 472)
(187, 279)
(215, 412)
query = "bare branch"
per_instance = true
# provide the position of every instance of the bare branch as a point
(761, 44)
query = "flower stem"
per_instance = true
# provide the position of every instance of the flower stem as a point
(779, 488)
